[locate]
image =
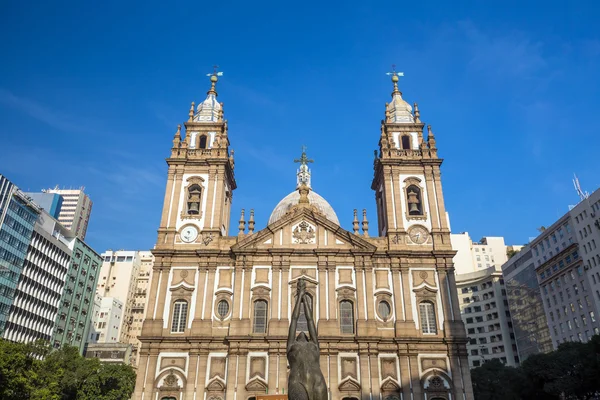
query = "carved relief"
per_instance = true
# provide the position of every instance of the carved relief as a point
(217, 367)
(349, 367)
(388, 368)
(225, 278)
(258, 367)
(420, 277)
(345, 276)
(262, 275)
(428, 363)
(304, 233)
(381, 279)
(186, 276)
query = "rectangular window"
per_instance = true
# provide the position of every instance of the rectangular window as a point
(428, 325)
(179, 316)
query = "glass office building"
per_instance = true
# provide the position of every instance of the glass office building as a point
(17, 219)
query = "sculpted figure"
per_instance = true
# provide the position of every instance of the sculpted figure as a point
(306, 381)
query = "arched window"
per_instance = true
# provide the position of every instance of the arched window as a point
(405, 141)
(193, 200)
(427, 313)
(415, 202)
(203, 141)
(346, 316)
(302, 325)
(180, 309)
(260, 316)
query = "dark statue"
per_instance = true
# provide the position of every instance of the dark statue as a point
(306, 381)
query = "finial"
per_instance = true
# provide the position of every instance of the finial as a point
(191, 113)
(177, 138)
(304, 190)
(355, 221)
(213, 80)
(430, 137)
(417, 113)
(303, 174)
(242, 225)
(395, 79)
(251, 222)
(365, 224)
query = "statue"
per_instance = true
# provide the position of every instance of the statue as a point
(306, 381)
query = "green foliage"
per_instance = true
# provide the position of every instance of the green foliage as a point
(571, 372)
(36, 372)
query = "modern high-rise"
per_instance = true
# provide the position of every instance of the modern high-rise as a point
(77, 300)
(567, 263)
(532, 334)
(18, 215)
(482, 297)
(74, 211)
(37, 299)
(118, 279)
(138, 310)
(384, 299)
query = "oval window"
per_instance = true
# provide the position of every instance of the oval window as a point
(223, 308)
(384, 309)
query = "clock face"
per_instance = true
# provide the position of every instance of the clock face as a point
(418, 234)
(189, 234)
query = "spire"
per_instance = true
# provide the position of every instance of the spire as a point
(210, 110)
(398, 110)
(177, 137)
(430, 137)
(365, 224)
(251, 223)
(242, 225)
(303, 173)
(417, 113)
(355, 222)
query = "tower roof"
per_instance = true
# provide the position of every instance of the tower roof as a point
(398, 110)
(210, 109)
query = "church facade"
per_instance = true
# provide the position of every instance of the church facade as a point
(385, 305)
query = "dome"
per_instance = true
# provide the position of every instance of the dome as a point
(399, 110)
(292, 199)
(209, 110)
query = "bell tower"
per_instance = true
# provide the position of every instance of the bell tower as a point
(201, 181)
(407, 185)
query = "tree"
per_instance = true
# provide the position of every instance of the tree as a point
(37, 372)
(494, 381)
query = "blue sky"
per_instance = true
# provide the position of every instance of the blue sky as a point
(91, 96)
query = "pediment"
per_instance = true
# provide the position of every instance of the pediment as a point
(389, 385)
(216, 385)
(304, 229)
(349, 385)
(257, 385)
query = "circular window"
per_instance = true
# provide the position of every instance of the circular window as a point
(384, 309)
(223, 308)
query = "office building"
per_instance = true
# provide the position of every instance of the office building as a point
(18, 215)
(140, 301)
(74, 211)
(482, 299)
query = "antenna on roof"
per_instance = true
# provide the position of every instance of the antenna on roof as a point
(582, 195)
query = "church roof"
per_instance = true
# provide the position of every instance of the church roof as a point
(398, 110)
(210, 109)
(303, 181)
(292, 199)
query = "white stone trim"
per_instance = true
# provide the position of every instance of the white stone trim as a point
(172, 354)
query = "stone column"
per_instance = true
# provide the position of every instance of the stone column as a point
(415, 378)
(191, 374)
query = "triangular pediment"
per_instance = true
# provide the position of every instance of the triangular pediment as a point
(349, 385)
(217, 385)
(257, 385)
(389, 385)
(303, 228)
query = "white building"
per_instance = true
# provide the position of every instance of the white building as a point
(75, 210)
(118, 280)
(567, 263)
(37, 298)
(138, 310)
(94, 335)
(482, 297)
(109, 320)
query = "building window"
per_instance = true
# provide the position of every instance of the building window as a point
(193, 201)
(203, 141)
(180, 308)
(415, 202)
(346, 316)
(405, 141)
(384, 310)
(223, 308)
(427, 313)
(260, 317)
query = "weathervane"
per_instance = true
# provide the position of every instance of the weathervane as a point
(395, 76)
(215, 72)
